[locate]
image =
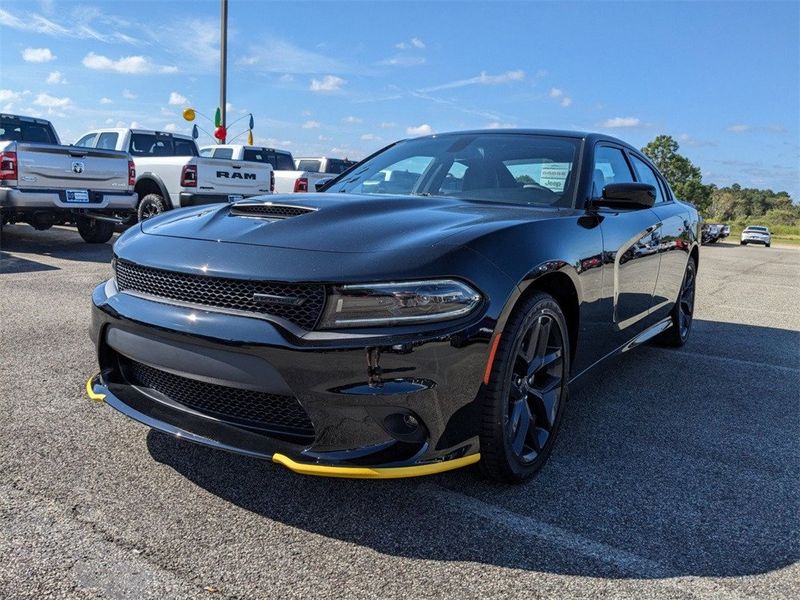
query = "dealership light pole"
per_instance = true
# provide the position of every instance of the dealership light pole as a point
(223, 63)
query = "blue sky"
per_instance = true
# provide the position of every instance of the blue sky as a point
(345, 78)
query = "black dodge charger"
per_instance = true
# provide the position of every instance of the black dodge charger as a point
(427, 311)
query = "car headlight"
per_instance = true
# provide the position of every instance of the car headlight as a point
(375, 304)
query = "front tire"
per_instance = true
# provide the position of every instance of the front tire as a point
(150, 206)
(767, 245)
(527, 390)
(683, 311)
(95, 231)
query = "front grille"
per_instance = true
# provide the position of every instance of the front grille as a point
(280, 415)
(270, 211)
(298, 303)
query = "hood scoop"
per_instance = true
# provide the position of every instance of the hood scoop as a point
(268, 210)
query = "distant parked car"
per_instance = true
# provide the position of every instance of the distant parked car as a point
(756, 234)
(714, 232)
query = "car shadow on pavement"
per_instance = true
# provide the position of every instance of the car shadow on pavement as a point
(673, 463)
(62, 242)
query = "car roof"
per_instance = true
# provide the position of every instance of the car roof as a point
(582, 135)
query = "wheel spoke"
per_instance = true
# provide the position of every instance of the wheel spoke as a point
(520, 423)
(546, 400)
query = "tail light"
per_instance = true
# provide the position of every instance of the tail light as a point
(8, 165)
(272, 181)
(131, 173)
(189, 176)
(301, 184)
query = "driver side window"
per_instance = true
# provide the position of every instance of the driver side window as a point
(610, 166)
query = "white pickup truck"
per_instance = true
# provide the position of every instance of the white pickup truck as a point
(288, 180)
(171, 173)
(43, 183)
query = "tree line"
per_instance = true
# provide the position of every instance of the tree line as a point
(720, 204)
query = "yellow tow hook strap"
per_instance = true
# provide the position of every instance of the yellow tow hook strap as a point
(91, 393)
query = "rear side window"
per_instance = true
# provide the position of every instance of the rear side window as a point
(185, 147)
(647, 175)
(26, 131)
(283, 162)
(223, 153)
(309, 165)
(610, 166)
(149, 144)
(107, 140)
(337, 166)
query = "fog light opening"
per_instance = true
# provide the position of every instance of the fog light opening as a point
(405, 427)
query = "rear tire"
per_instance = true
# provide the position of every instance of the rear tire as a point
(524, 400)
(683, 312)
(95, 231)
(150, 206)
(767, 245)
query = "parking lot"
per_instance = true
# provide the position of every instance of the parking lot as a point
(675, 475)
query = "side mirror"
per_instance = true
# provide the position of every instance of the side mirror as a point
(626, 195)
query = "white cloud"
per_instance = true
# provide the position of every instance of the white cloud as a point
(556, 92)
(370, 137)
(617, 122)
(402, 60)
(37, 55)
(109, 121)
(417, 43)
(105, 100)
(483, 79)
(49, 101)
(56, 77)
(414, 42)
(279, 56)
(311, 125)
(498, 125)
(739, 128)
(423, 129)
(131, 65)
(79, 26)
(247, 60)
(351, 120)
(170, 127)
(388, 125)
(9, 95)
(129, 95)
(176, 99)
(329, 83)
(565, 101)
(286, 78)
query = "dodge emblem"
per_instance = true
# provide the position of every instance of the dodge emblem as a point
(77, 167)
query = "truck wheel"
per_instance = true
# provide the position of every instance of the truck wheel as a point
(150, 206)
(95, 231)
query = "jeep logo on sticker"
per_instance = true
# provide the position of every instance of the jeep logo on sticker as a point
(77, 167)
(235, 175)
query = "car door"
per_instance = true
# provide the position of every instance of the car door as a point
(675, 240)
(631, 238)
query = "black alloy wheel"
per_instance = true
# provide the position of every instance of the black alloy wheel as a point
(526, 391)
(683, 311)
(150, 206)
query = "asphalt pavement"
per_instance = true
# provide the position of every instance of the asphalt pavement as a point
(676, 474)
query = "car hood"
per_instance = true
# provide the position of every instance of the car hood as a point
(343, 222)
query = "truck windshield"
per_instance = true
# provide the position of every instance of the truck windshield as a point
(26, 131)
(510, 168)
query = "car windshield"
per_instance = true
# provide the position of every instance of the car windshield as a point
(757, 229)
(491, 167)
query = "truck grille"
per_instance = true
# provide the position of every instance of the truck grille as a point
(300, 304)
(280, 415)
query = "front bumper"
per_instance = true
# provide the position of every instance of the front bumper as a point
(357, 393)
(23, 200)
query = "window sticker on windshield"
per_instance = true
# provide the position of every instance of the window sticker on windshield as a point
(554, 176)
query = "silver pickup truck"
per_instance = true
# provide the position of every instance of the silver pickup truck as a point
(43, 183)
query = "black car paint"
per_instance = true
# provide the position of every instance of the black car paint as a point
(617, 274)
